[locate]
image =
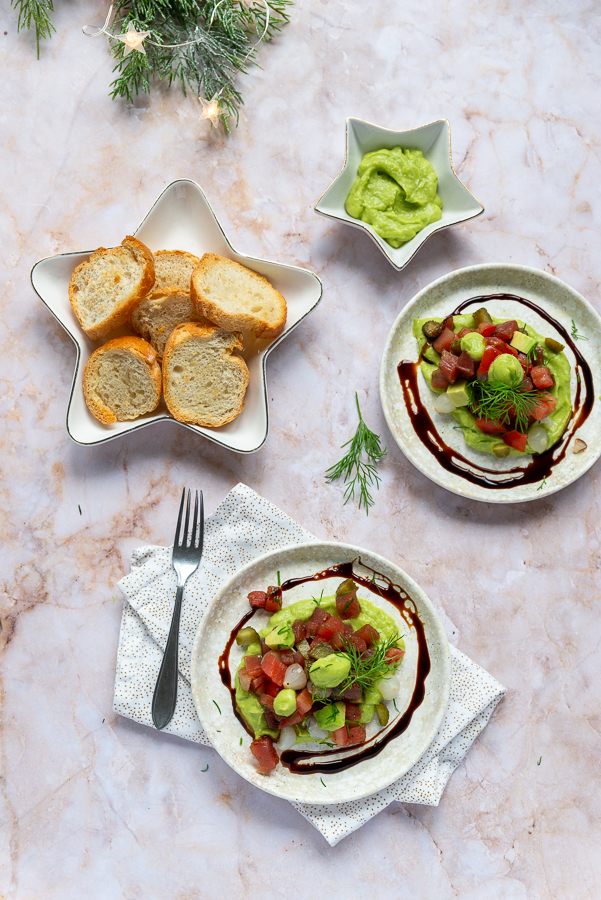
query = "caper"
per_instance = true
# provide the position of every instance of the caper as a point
(456, 348)
(481, 315)
(553, 345)
(383, 714)
(501, 450)
(432, 330)
(247, 636)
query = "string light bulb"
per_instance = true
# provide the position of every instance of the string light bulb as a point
(211, 110)
(133, 40)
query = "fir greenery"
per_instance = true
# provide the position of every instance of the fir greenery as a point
(223, 32)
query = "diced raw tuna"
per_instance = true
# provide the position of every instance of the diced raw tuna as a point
(369, 634)
(273, 668)
(526, 384)
(287, 657)
(304, 702)
(506, 329)
(273, 603)
(440, 382)
(333, 626)
(258, 683)
(394, 655)
(463, 332)
(299, 658)
(523, 360)
(265, 753)
(318, 618)
(352, 712)
(448, 366)
(545, 405)
(487, 426)
(271, 720)
(340, 641)
(300, 630)
(542, 378)
(253, 666)
(349, 734)
(352, 694)
(494, 341)
(466, 365)
(486, 328)
(448, 323)
(266, 700)
(245, 680)
(359, 644)
(516, 440)
(347, 605)
(257, 599)
(444, 340)
(340, 737)
(271, 688)
(551, 402)
(295, 719)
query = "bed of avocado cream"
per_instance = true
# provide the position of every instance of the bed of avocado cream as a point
(395, 193)
(248, 703)
(556, 362)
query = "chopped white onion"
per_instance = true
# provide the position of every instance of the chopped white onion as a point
(295, 677)
(548, 421)
(389, 687)
(287, 738)
(315, 731)
(538, 439)
(444, 404)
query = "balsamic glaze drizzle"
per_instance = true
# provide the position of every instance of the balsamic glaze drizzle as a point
(542, 465)
(299, 761)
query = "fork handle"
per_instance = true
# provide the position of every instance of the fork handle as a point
(165, 691)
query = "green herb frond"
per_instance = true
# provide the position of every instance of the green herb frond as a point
(360, 474)
(501, 403)
(367, 672)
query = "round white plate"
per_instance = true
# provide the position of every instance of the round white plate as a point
(441, 297)
(213, 701)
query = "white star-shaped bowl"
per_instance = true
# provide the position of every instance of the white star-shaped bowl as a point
(181, 219)
(434, 141)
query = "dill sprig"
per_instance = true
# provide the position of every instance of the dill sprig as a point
(367, 672)
(359, 474)
(576, 334)
(35, 13)
(502, 402)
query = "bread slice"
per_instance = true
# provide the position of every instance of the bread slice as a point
(106, 288)
(237, 298)
(159, 313)
(122, 380)
(173, 269)
(204, 380)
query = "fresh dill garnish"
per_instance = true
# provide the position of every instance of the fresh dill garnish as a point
(366, 672)
(576, 334)
(217, 705)
(240, 741)
(279, 580)
(283, 629)
(539, 761)
(323, 782)
(395, 706)
(359, 475)
(500, 402)
(206, 768)
(542, 484)
(318, 601)
(79, 508)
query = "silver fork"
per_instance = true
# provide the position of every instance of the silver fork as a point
(187, 552)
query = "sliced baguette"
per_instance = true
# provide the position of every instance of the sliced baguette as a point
(106, 288)
(122, 380)
(237, 298)
(173, 269)
(159, 313)
(204, 380)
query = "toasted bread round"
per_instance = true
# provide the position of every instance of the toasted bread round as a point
(106, 288)
(204, 379)
(160, 312)
(173, 269)
(122, 380)
(237, 298)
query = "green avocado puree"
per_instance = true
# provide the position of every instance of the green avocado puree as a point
(395, 193)
(556, 362)
(248, 703)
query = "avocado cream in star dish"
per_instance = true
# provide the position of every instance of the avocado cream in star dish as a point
(506, 385)
(319, 672)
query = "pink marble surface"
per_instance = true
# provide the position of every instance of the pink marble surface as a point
(93, 805)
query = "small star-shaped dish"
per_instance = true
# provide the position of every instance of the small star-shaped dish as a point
(434, 141)
(181, 219)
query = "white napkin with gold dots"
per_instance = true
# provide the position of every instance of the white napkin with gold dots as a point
(243, 527)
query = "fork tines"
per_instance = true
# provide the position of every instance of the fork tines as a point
(189, 538)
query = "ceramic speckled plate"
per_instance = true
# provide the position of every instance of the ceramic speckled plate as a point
(224, 730)
(441, 297)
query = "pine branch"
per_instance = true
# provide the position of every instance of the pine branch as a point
(36, 13)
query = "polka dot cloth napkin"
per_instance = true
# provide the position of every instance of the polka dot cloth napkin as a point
(243, 527)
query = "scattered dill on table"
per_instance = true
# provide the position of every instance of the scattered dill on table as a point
(359, 473)
(539, 761)
(205, 768)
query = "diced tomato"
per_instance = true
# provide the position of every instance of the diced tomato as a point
(486, 329)
(523, 359)
(340, 737)
(304, 702)
(463, 332)
(466, 365)
(485, 363)
(542, 378)
(347, 605)
(334, 625)
(318, 618)
(271, 688)
(340, 641)
(369, 634)
(300, 630)
(506, 329)
(516, 440)
(274, 668)
(448, 366)
(257, 599)
(440, 382)
(253, 666)
(489, 427)
(444, 340)
(273, 603)
(358, 643)
(352, 712)
(448, 323)
(295, 719)
(258, 683)
(245, 680)
(394, 655)
(265, 753)
(527, 385)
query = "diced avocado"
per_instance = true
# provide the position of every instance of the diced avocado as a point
(431, 355)
(331, 717)
(281, 637)
(459, 393)
(254, 650)
(330, 671)
(523, 343)
(285, 703)
(367, 713)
